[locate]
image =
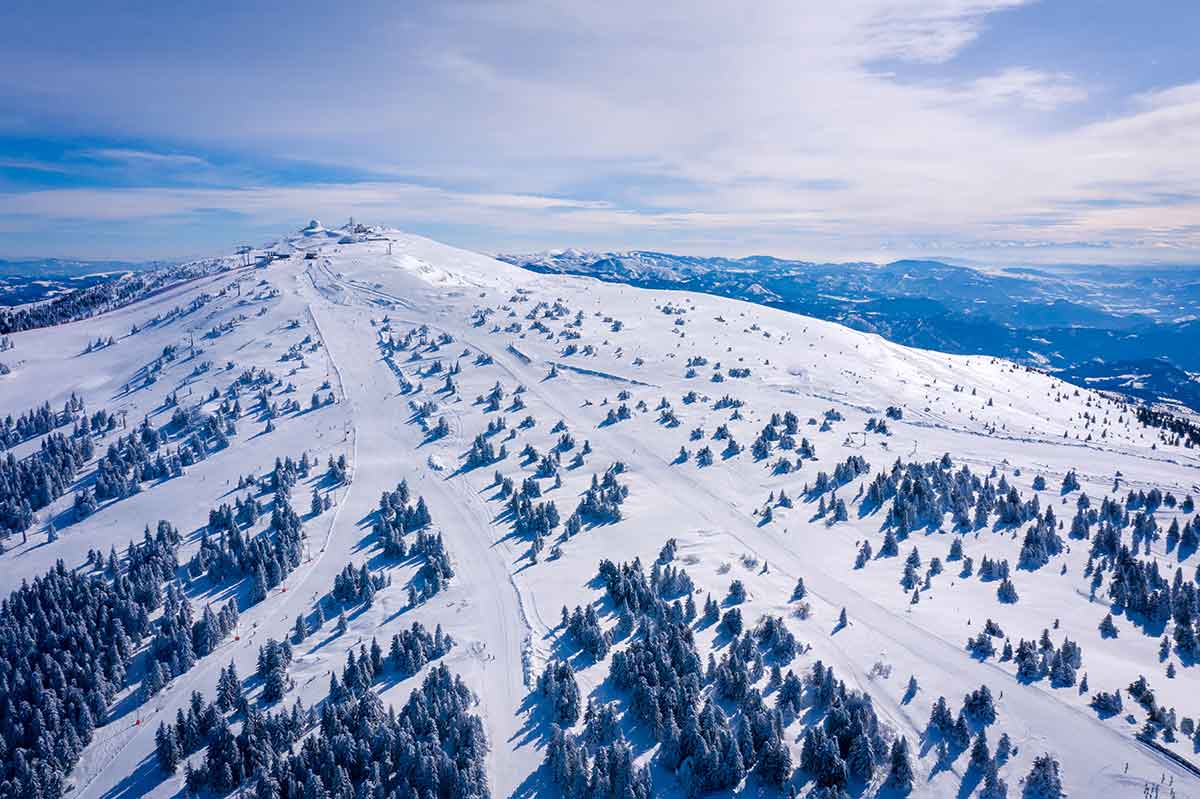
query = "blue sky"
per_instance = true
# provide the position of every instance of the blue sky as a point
(993, 130)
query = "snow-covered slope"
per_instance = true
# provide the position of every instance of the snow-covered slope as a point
(1082, 324)
(379, 318)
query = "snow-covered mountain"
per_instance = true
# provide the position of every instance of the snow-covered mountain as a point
(1101, 323)
(770, 524)
(63, 267)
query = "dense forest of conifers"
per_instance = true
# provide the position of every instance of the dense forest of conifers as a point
(82, 303)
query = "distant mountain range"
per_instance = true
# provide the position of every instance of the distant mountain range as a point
(66, 267)
(1125, 329)
(37, 279)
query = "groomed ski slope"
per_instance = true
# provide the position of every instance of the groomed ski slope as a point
(502, 607)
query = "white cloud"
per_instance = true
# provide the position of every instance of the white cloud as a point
(32, 165)
(129, 156)
(280, 204)
(1028, 87)
(741, 128)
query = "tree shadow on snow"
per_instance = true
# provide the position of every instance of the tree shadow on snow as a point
(138, 782)
(537, 725)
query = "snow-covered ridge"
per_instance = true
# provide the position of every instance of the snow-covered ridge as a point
(1095, 323)
(478, 383)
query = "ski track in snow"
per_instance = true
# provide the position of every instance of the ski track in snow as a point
(479, 571)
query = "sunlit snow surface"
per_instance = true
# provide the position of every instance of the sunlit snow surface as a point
(502, 608)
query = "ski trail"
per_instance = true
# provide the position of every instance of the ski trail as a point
(205, 668)
(482, 574)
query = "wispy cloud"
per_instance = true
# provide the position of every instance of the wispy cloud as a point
(129, 156)
(32, 165)
(282, 204)
(1027, 87)
(796, 128)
